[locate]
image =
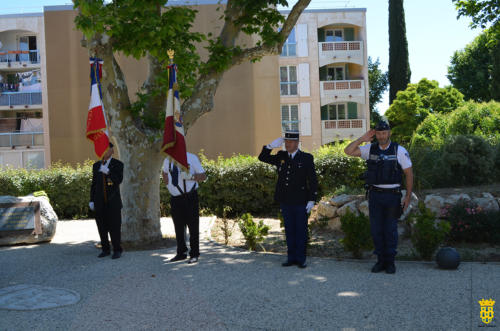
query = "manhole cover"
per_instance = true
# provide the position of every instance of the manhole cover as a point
(31, 297)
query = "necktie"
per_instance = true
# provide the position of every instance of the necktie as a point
(175, 175)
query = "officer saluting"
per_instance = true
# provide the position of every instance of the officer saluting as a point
(386, 162)
(296, 192)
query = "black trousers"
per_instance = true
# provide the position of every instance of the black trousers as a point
(109, 220)
(185, 211)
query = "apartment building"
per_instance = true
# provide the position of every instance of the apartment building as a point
(319, 85)
(323, 72)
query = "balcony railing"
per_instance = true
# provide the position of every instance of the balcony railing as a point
(341, 51)
(342, 90)
(12, 139)
(20, 98)
(32, 57)
(343, 124)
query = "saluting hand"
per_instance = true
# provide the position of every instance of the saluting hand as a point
(368, 136)
(277, 143)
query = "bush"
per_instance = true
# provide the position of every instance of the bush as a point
(469, 223)
(357, 233)
(427, 234)
(252, 232)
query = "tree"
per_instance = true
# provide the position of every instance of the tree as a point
(415, 103)
(473, 70)
(399, 65)
(378, 82)
(146, 29)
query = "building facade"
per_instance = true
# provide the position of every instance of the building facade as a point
(319, 85)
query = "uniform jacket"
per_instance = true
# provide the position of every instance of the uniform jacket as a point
(112, 183)
(297, 181)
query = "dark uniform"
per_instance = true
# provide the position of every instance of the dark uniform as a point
(105, 193)
(297, 184)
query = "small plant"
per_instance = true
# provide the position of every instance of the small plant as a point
(427, 234)
(357, 233)
(226, 227)
(252, 232)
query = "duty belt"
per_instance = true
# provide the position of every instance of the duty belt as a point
(395, 190)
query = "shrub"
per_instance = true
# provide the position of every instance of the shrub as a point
(469, 223)
(357, 233)
(252, 232)
(427, 234)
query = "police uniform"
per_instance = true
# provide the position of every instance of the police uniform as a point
(383, 180)
(297, 184)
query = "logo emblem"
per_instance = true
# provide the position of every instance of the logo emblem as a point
(487, 312)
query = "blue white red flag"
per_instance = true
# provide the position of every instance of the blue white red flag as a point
(97, 126)
(174, 144)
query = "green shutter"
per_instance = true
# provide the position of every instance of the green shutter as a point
(324, 112)
(349, 34)
(352, 110)
(322, 73)
(346, 72)
(321, 35)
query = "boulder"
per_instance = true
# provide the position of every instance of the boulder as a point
(48, 221)
(342, 199)
(487, 195)
(327, 210)
(454, 198)
(334, 224)
(434, 203)
(363, 208)
(348, 206)
(487, 203)
(413, 204)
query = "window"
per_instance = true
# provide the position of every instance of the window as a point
(334, 35)
(335, 73)
(288, 80)
(290, 117)
(289, 48)
(333, 112)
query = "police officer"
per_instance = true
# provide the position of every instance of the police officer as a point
(105, 199)
(386, 162)
(296, 192)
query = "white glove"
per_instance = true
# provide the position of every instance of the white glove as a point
(104, 169)
(309, 206)
(276, 143)
(91, 205)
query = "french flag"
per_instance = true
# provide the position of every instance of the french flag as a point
(174, 144)
(97, 126)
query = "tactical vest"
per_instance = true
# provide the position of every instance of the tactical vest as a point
(383, 166)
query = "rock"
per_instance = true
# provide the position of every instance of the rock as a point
(348, 206)
(342, 199)
(487, 195)
(487, 203)
(413, 204)
(434, 203)
(334, 224)
(48, 220)
(326, 210)
(454, 198)
(363, 208)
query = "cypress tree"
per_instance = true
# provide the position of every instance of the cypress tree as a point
(399, 66)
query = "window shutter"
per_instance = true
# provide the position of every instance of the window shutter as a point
(324, 112)
(305, 118)
(304, 89)
(322, 73)
(302, 40)
(348, 34)
(352, 110)
(321, 35)
(346, 72)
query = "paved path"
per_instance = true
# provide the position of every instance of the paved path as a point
(231, 289)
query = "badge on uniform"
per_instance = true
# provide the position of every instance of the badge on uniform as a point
(109, 181)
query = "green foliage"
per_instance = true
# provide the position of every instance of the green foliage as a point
(469, 223)
(399, 65)
(357, 233)
(40, 194)
(482, 12)
(427, 234)
(413, 105)
(475, 70)
(378, 82)
(252, 232)
(226, 227)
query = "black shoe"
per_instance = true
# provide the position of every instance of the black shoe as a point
(193, 260)
(302, 265)
(287, 264)
(390, 268)
(378, 267)
(103, 254)
(116, 255)
(178, 258)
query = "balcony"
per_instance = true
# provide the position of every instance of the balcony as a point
(15, 60)
(341, 51)
(333, 130)
(20, 100)
(14, 139)
(342, 91)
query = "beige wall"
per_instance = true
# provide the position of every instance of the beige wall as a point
(245, 116)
